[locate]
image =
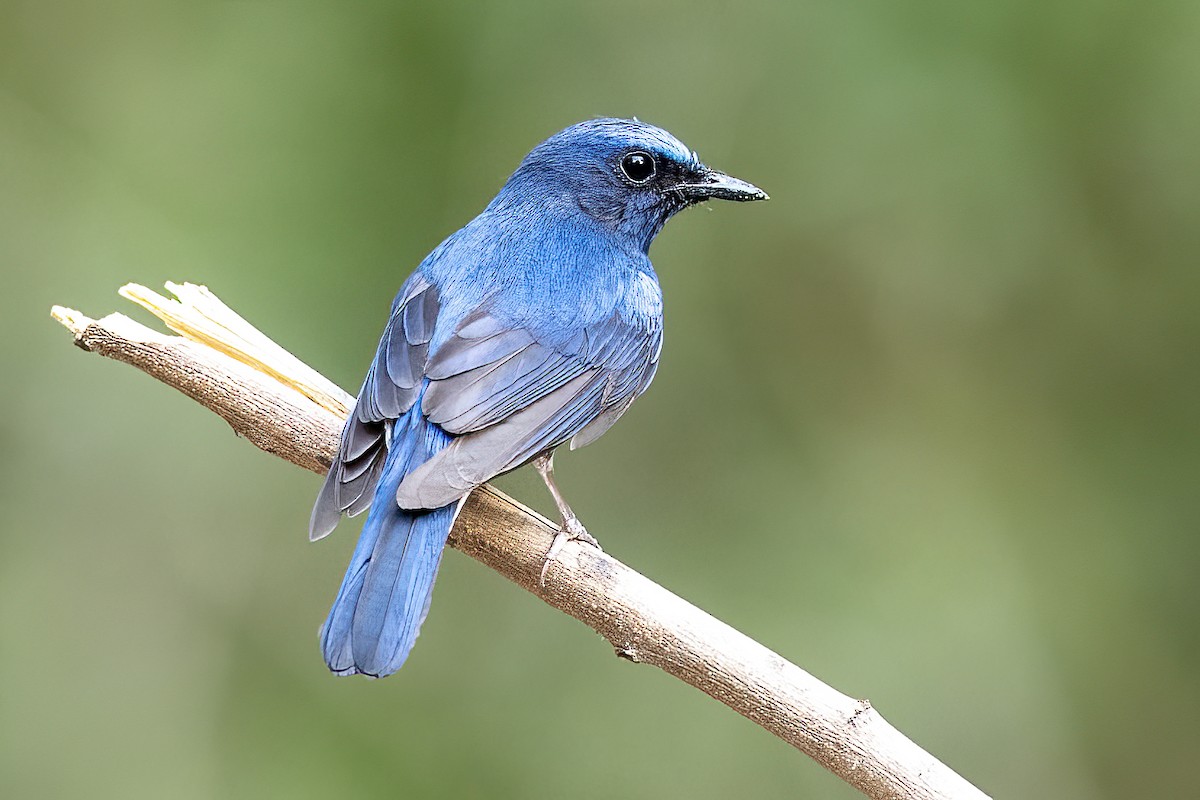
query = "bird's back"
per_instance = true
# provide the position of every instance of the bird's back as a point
(550, 274)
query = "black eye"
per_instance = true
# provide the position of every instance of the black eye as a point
(638, 166)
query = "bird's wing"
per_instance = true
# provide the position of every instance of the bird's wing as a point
(509, 395)
(505, 392)
(391, 388)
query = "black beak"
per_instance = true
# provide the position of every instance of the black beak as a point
(708, 184)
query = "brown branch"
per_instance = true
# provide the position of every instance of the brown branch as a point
(285, 408)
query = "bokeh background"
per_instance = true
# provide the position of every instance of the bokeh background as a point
(925, 424)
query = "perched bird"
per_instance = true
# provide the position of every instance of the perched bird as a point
(535, 325)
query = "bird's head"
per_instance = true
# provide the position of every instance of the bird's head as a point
(627, 175)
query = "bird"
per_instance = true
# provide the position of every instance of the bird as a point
(535, 325)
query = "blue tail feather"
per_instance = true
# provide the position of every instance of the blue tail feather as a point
(385, 595)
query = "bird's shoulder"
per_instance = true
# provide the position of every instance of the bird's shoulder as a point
(552, 279)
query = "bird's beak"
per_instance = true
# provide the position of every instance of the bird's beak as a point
(708, 184)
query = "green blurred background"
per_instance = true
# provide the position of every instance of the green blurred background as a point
(925, 423)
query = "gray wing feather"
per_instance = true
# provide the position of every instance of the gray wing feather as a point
(472, 459)
(481, 382)
(597, 427)
(390, 389)
(488, 394)
(627, 384)
(462, 354)
(505, 394)
(531, 400)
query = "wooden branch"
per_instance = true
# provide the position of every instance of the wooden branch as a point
(285, 408)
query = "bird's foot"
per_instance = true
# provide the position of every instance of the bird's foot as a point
(572, 530)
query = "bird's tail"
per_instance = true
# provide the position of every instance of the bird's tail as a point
(385, 594)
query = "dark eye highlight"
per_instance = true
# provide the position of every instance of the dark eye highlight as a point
(638, 166)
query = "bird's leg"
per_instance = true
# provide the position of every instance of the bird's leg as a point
(572, 529)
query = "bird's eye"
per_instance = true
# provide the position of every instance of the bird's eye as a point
(638, 166)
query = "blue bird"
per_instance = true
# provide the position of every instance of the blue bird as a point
(535, 325)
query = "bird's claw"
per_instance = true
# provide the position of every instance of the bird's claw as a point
(572, 530)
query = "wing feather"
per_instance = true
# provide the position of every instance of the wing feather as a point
(528, 399)
(390, 389)
(475, 458)
(506, 391)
